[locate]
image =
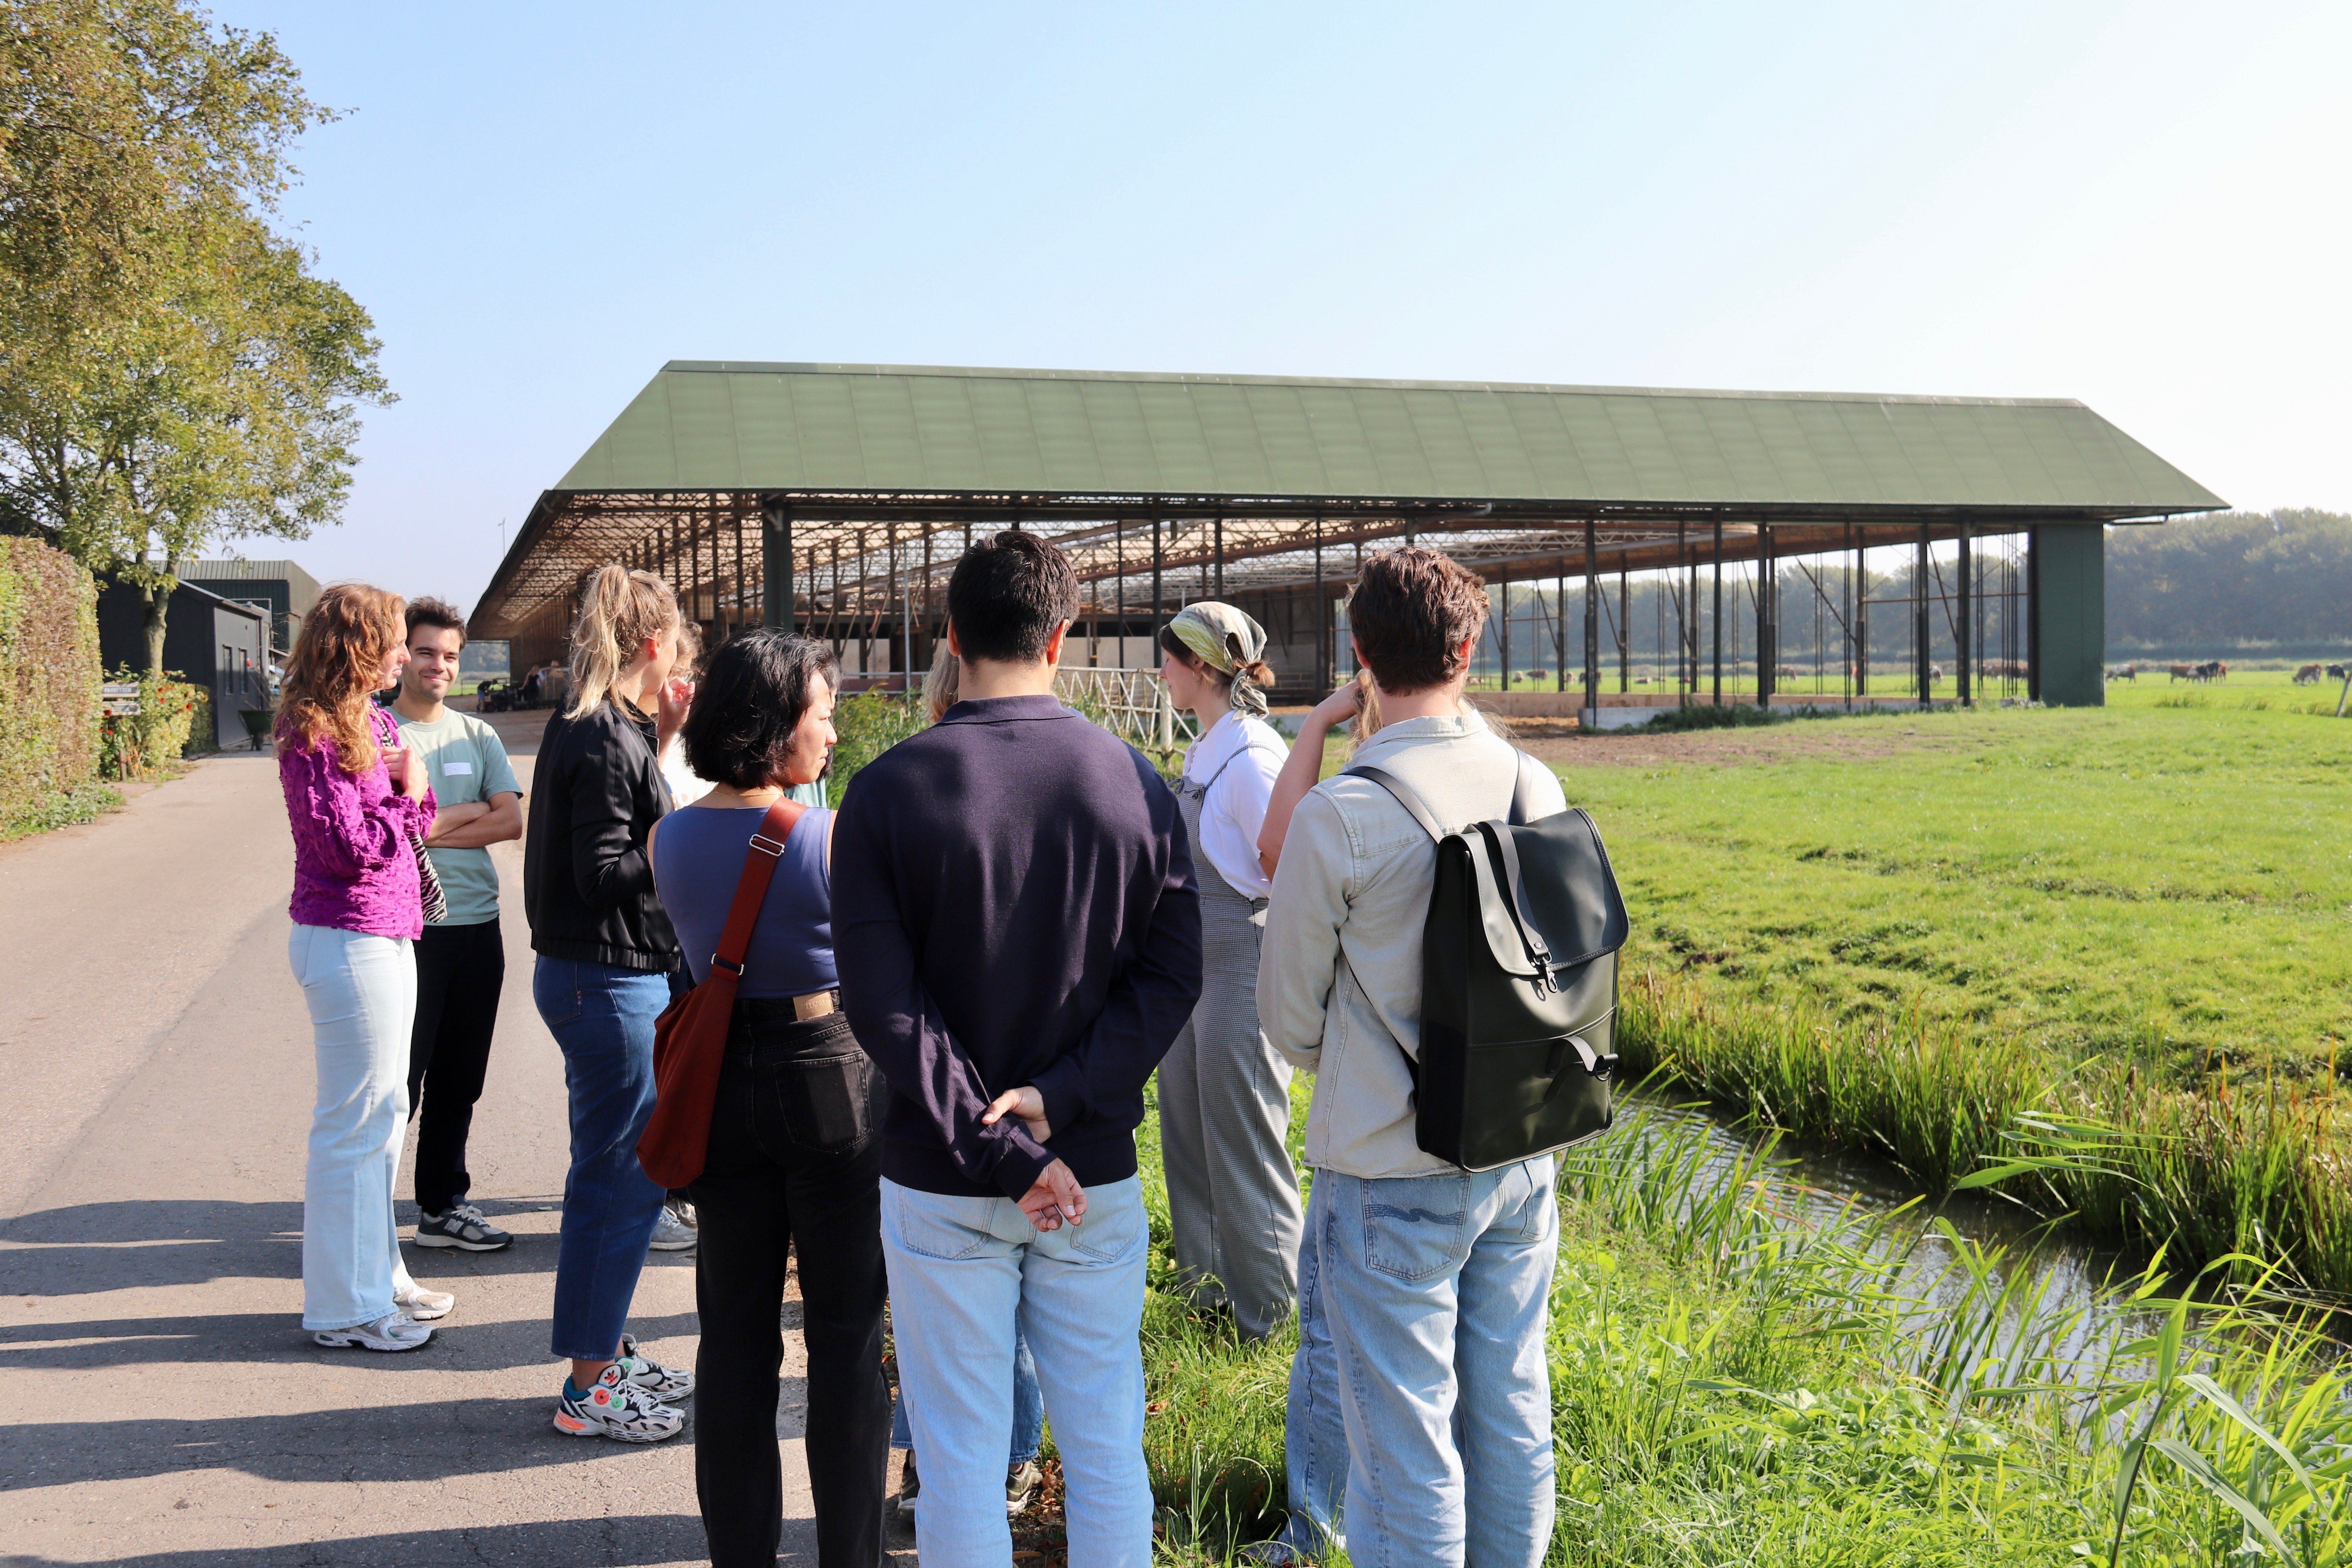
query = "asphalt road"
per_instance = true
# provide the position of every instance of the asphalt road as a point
(162, 1406)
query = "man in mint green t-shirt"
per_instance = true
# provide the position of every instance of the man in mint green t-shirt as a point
(460, 959)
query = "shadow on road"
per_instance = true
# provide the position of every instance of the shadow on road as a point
(614, 1543)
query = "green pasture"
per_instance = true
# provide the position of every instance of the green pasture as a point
(2168, 879)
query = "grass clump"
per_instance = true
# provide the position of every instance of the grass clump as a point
(61, 808)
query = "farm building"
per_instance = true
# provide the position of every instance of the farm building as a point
(1896, 533)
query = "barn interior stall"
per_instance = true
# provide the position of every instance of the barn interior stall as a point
(1678, 546)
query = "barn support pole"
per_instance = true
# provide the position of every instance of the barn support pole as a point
(1559, 630)
(1157, 562)
(1323, 679)
(718, 621)
(742, 581)
(1715, 616)
(1221, 554)
(1118, 560)
(1862, 614)
(1505, 574)
(1768, 617)
(1966, 643)
(1920, 625)
(1684, 608)
(1591, 720)
(1852, 649)
(1624, 633)
(2033, 615)
(832, 603)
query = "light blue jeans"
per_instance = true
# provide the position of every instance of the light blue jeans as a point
(361, 992)
(1435, 1291)
(963, 1273)
(1028, 1411)
(1315, 1428)
(602, 1020)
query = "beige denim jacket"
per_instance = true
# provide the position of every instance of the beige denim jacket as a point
(1339, 980)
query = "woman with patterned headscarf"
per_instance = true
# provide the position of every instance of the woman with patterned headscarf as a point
(1225, 1096)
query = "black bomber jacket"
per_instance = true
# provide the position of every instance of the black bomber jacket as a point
(588, 887)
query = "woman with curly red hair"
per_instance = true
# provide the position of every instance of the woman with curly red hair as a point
(357, 803)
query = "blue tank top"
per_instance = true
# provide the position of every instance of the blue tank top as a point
(698, 859)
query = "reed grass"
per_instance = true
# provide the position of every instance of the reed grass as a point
(1744, 1372)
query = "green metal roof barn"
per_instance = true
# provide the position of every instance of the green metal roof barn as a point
(819, 494)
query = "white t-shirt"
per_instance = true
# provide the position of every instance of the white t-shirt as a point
(1235, 807)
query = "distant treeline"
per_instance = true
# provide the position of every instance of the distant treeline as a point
(2232, 579)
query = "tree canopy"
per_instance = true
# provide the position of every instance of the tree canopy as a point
(172, 370)
(2231, 579)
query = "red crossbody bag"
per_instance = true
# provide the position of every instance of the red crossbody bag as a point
(690, 1036)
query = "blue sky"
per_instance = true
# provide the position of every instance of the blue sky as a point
(2139, 204)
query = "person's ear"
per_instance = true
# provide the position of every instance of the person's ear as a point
(954, 646)
(1054, 643)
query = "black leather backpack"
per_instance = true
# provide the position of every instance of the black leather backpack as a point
(1518, 998)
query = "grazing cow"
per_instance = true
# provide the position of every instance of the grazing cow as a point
(2336, 672)
(2307, 675)
(2183, 672)
(2123, 672)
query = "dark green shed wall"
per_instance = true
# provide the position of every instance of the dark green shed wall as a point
(2070, 571)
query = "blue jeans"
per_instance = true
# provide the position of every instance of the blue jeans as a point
(1028, 1410)
(602, 1020)
(966, 1274)
(361, 992)
(1436, 1289)
(1315, 1430)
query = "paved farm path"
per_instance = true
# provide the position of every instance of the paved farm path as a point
(164, 1407)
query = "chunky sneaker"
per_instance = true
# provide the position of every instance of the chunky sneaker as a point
(673, 1228)
(422, 1304)
(462, 1227)
(616, 1408)
(1020, 1485)
(910, 1487)
(395, 1331)
(664, 1382)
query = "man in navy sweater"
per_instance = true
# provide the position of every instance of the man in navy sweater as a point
(1019, 943)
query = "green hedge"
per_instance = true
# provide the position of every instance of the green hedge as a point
(49, 686)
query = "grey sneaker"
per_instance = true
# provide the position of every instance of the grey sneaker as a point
(673, 1228)
(910, 1487)
(1020, 1486)
(395, 1331)
(464, 1228)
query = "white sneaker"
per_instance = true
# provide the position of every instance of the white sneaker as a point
(422, 1304)
(673, 1228)
(616, 1408)
(395, 1331)
(667, 1383)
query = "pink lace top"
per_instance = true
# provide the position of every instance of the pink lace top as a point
(353, 869)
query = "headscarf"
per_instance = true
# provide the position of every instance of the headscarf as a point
(1230, 643)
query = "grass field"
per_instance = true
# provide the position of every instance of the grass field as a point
(1735, 1384)
(1909, 932)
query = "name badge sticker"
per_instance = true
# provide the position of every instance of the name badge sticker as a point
(452, 770)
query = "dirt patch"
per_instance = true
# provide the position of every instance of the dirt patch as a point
(1801, 739)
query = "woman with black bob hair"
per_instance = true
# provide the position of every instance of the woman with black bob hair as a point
(794, 1152)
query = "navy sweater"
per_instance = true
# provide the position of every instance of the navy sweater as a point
(1012, 903)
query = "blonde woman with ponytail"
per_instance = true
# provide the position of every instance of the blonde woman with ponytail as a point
(605, 955)
(1225, 1096)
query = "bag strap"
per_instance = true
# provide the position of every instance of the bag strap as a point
(760, 857)
(1522, 793)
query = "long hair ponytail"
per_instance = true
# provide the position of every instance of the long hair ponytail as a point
(619, 609)
(332, 672)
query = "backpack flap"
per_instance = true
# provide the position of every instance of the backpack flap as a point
(1553, 902)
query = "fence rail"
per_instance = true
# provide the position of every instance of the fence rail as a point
(1131, 704)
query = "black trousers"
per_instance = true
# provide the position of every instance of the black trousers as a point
(795, 1161)
(459, 972)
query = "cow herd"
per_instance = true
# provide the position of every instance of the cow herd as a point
(2308, 674)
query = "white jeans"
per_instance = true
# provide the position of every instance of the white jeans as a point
(962, 1271)
(362, 991)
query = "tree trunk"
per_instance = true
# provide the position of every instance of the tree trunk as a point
(156, 602)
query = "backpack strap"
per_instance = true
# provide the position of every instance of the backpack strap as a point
(1523, 792)
(759, 859)
(1415, 808)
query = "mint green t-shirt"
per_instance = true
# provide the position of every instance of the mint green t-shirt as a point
(465, 760)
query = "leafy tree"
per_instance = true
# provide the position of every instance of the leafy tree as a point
(170, 371)
(2231, 579)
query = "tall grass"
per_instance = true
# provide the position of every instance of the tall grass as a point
(2210, 1172)
(1745, 1374)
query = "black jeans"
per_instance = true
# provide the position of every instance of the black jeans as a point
(795, 1160)
(459, 972)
